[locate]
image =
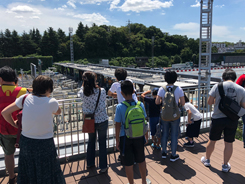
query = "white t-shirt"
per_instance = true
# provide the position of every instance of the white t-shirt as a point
(195, 114)
(116, 87)
(177, 93)
(37, 118)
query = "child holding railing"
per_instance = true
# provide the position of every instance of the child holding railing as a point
(194, 119)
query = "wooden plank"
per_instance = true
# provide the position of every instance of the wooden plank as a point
(69, 178)
(216, 161)
(160, 171)
(4, 180)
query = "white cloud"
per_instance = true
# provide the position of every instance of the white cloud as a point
(243, 28)
(24, 21)
(72, 3)
(98, 2)
(197, 4)
(220, 6)
(163, 13)
(23, 9)
(19, 17)
(92, 18)
(114, 4)
(141, 5)
(42, 0)
(192, 30)
(34, 17)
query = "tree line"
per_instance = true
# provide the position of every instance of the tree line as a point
(97, 42)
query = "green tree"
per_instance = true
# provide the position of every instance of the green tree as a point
(17, 50)
(80, 32)
(27, 45)
(176, 59)
(214, 49)
(62, 36)
(186, 54)
(8, 44)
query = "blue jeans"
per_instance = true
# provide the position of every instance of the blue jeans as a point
(165, 125)
(243, 131)
(101, 128)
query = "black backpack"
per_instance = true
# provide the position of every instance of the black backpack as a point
(228, 106)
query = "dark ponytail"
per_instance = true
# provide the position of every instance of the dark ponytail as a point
(89, 83)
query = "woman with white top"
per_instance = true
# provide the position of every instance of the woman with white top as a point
(38, 161)
(89, 94)
(170, 78)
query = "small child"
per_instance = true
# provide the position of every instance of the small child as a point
(194, 122)
(131, 150)
(154, 115)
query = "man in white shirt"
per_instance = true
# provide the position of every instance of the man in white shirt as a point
(115, 90)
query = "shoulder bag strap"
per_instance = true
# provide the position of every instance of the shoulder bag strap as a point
(165, 88)
(97, 100)
(20, 125)
(221, 90)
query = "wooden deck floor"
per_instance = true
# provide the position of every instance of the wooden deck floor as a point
(188, 169)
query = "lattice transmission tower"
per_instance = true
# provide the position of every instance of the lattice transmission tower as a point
(205, 46)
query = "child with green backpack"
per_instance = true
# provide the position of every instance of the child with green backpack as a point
(131, 128)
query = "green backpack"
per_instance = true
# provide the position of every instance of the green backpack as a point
(135, 125)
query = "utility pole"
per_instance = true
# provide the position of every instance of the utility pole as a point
(129, 26)
(152, 46)
(71, 44)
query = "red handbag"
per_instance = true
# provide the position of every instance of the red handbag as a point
(88, 119)
(19, 123)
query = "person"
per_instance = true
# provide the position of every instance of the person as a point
(170, 78)
(131, 150)
(115, 90)
(194, 118)
(241, 81)
(154, 114)
(89, 94)
(8, 94)
(38, 161)
(220, 122)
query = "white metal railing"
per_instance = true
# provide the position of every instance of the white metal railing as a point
(70, 140)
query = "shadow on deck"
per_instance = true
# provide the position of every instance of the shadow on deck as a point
(188, 169)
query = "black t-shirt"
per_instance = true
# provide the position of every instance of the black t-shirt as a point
(154, 110)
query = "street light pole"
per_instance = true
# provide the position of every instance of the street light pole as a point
(71, 44)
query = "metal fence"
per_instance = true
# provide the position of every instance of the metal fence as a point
(68, 135)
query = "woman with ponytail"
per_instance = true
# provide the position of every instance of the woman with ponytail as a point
(89, 94)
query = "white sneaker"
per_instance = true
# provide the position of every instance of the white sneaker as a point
(205, 161)
(226, 168)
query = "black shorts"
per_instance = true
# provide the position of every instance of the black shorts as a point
(193, 129)
(132, 151)
(223, 124)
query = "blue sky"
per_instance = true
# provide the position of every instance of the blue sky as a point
(172, 16)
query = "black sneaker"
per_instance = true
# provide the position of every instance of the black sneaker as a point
(119, 158)
(174, 158)
(164, 155)
(189, 144)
